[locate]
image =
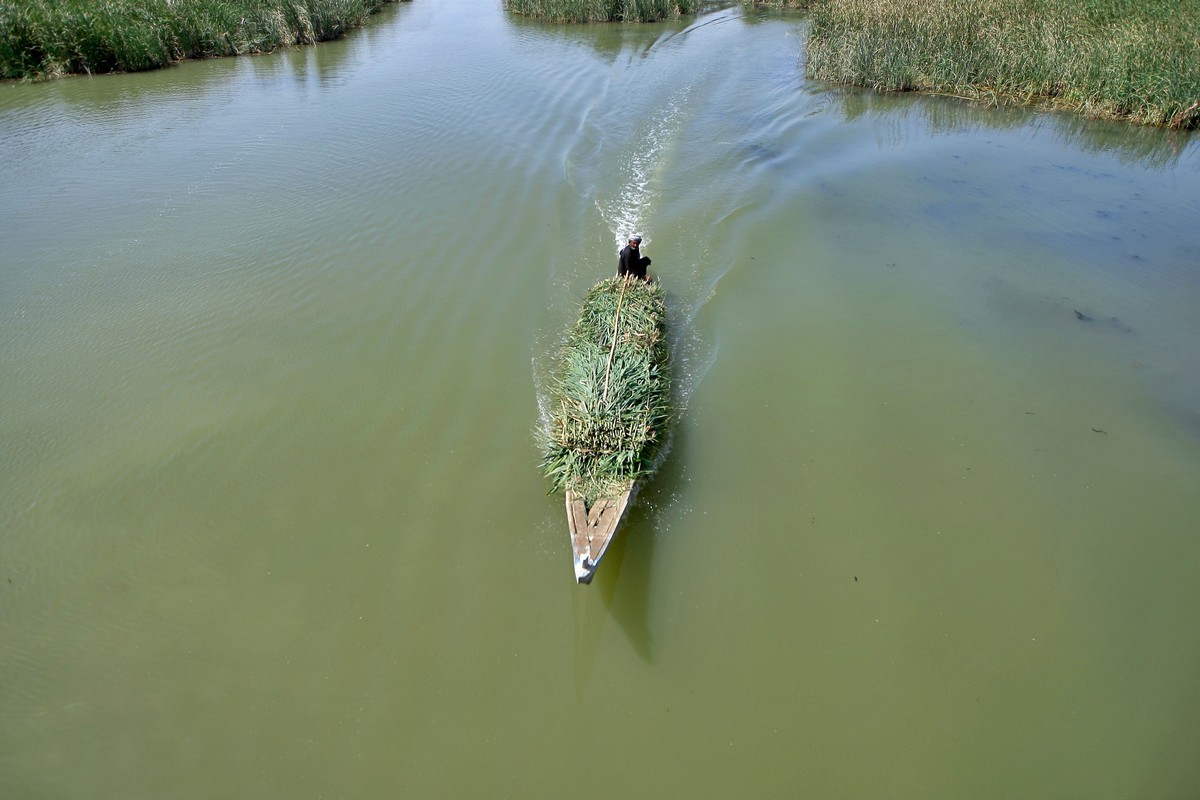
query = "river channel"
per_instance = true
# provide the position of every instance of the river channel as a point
(275, 334)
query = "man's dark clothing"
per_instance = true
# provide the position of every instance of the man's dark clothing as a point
(632, 263)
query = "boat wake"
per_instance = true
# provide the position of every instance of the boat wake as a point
(627, 170)
(639, 186)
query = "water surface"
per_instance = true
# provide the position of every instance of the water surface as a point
(274, 333)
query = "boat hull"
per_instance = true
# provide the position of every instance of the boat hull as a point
(608, 411)
(593, 529)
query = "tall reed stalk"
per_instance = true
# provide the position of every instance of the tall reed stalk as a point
(48, 38)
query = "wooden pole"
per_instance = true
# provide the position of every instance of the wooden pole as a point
(613, 348)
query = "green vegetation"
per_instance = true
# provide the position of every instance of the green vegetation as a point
(1125, 59)
(611, 402)
(787, 5)
(1128, 59)
(601, 10)
(48, 38)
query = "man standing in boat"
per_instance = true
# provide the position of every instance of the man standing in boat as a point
(632, 261)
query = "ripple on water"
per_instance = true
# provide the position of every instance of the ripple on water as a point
(267, 351)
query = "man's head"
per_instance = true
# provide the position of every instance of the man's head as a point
(635, 240)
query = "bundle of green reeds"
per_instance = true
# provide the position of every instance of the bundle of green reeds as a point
(611, 400)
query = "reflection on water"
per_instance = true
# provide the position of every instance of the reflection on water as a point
(1139, 145)
(274, 333)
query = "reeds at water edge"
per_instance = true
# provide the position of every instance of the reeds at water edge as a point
(601, 10)
(1126, 59)
(49, 38)
(1137, 60)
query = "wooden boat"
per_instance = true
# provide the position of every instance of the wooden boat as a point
(592, 529)
(610, 407)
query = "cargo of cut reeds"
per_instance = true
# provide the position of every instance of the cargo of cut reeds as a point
(610, 402)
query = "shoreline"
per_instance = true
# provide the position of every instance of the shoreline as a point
(1131, 60)
(44, 39)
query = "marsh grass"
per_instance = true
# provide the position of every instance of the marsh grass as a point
(601, 10)
(48, 38)
(784, 5)
(610, 405)
(1129, 59)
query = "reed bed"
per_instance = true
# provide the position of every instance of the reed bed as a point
(1127, 59)
(49, 38)
(601, 10)
(610, 403)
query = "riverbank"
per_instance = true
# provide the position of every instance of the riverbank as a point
(1137, 60)
(1125, 59)
(572, 11)
(46, 38)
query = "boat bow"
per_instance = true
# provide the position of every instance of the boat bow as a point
(593, 528)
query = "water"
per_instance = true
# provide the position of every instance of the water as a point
(274, 333)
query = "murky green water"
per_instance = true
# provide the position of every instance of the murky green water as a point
(272, 332)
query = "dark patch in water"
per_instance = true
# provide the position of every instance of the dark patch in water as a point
(757, 153)
(1113, 322)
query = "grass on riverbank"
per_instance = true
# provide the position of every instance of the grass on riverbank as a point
(48, 38)
(601, 10)
(1126, 59)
